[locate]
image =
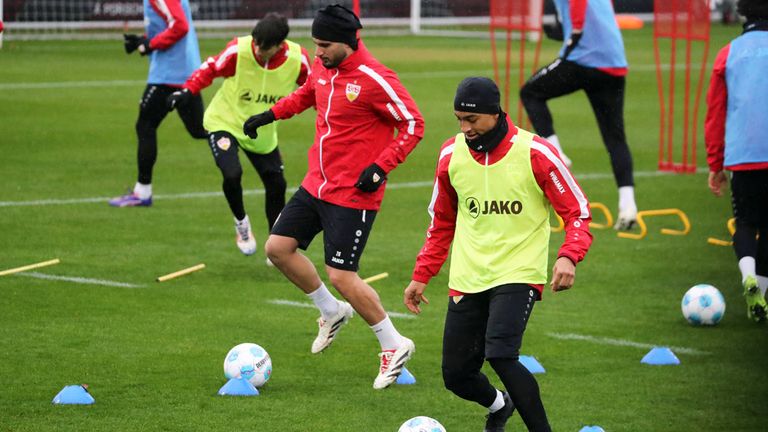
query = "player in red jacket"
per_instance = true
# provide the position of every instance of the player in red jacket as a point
(359, 104)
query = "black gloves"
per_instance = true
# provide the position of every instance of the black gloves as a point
(254, 122)
(136, 42)
(554, 31)
(178, 98)
(572, 42)
(371, 178)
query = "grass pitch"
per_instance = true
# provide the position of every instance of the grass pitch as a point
(152, 353)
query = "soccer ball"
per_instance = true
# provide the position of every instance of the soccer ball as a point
(421, 424)
(248, 361)
(703, 305)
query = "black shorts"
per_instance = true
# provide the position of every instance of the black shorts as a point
(749, 197)
(486, 325)
(345, 230)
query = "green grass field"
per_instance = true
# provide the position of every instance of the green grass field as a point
(152, 353)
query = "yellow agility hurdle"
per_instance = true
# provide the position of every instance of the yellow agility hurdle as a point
(596, 205)
(661, 212)
(731, 224)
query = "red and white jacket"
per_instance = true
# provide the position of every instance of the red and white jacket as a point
(553, 178)
(225, 65)
(360, 104)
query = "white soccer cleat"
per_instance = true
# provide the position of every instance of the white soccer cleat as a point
(627, 219)
(328, 329)
(244, 237)
(392, 362)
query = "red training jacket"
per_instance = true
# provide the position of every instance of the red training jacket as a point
(359, 106)
(552, 176)
(225, 65)
(174, 17)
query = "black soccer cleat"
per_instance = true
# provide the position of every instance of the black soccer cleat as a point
(496, 421)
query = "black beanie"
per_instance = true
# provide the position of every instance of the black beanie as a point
(335, 23)
(477, 95)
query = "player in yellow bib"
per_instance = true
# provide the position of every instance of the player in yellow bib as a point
(259, 70)
(494, 187)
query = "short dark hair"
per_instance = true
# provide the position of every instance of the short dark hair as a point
(753, 9)
(270, 30)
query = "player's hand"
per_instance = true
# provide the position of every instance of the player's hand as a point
(414, 295)
(371, 178)
(255, 122)
(717, 180)
(178, 98)
(133, 42)
(563, 274)
(572, 42)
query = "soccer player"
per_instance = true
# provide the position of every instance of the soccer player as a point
(494, 186)
(360, 103)
(592, 59)
(170, 42)
(259, 70)
(737, 141)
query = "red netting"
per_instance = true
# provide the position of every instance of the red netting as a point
(516, 14)
(681, 19)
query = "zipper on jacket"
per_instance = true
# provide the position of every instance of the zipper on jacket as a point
(322, 138)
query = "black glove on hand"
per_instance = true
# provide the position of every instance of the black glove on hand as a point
(572, 42)
(371, 178)
(254, 122)
(178, 98)
(136, 42)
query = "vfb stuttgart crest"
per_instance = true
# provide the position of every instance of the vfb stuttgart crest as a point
(353, 91)
(224, 143)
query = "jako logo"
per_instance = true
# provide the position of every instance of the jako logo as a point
(475, 208)
(556, 181)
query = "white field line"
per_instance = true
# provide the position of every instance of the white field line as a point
(624, 342)
(404, 75)
(80, 280)
(311, 306)
(391, 186)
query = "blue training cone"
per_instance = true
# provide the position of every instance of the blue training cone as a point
(660, 356)
(73, 395)
(591, 429)
(532, 364)
(238, 387)
(406, 377)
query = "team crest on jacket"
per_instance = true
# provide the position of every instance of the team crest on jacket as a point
(224, 143)
(353, 91)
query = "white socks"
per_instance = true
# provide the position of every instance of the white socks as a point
(325, 301)
(627, 198)
(498, 403)
(747, 267)
(389, 338)
(143, 191)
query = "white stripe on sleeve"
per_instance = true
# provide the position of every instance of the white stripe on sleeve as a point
(566, 175)
(166, 12)
(431, 209)
(391, 92)
(232, 50)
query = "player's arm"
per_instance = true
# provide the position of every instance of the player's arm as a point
(443, 209)
(222, 65)
(176, 23)
(578, 10)
(570, 203)
(714, 123)
(306, 68)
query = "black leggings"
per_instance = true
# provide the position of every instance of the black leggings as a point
(749, 198)
(606, 95)
(152, 111)
(224, 147)
(490, 325)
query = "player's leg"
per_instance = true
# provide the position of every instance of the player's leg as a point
(191, 115)
(152, 111)
(224, 147)
(606, 95)
(270, 169)
(346, 232)
(748, 197)
(464, 353)
(510, 307)
(556, 79)
(295, 228)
